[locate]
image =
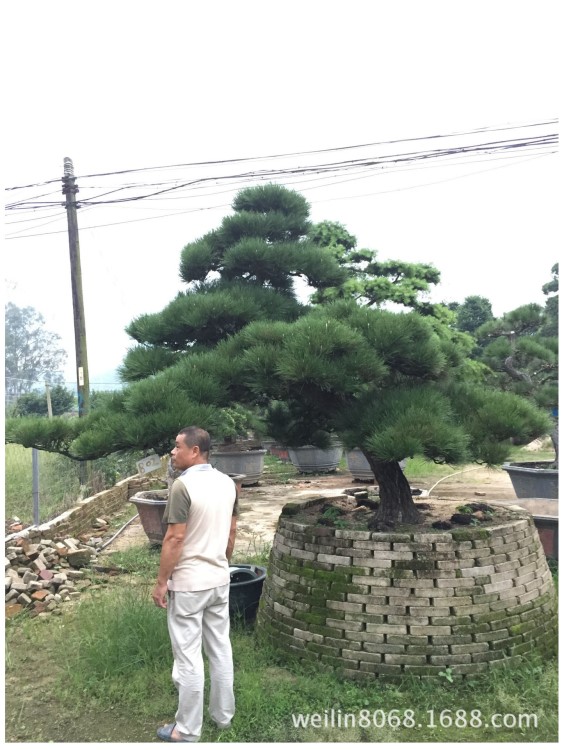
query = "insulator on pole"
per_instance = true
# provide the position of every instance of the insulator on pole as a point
(68, 167)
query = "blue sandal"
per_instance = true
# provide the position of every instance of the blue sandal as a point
(165, 733)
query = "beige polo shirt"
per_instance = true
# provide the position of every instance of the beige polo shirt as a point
(204, 499)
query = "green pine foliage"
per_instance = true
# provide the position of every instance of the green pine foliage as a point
(370, 281)
(237, 348)
(143, 361)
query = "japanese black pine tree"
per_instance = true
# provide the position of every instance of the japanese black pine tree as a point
(392, 384)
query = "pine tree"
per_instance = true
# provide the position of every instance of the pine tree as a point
(392, 384)
(521, 352)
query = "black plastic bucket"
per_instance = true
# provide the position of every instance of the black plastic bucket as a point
(246, 584)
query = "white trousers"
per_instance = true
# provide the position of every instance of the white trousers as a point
(198, 618)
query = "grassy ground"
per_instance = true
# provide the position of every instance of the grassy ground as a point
(59, 484)
(101, 672)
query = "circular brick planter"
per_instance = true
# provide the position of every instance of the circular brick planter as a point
(387, 604)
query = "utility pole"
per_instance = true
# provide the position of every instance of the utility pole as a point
(49, 405)
(69, 189)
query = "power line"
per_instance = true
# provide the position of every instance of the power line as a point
(483, 129)
(520, 158)
(347, 170)
(487, 147)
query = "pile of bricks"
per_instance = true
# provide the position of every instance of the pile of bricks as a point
(41, 574)
(374, 604)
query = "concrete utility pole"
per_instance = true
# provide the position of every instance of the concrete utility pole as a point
(69, 189)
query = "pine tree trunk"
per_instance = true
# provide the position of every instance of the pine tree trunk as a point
(396, 503)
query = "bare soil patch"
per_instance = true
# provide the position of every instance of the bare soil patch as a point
(360, 513)
(261, 505)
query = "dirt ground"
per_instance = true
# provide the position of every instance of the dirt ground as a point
(261, 504)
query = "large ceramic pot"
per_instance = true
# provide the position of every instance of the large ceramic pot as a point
(309, 459)
(247, 463)
(151, 506)
(359, 466)
(533, 479)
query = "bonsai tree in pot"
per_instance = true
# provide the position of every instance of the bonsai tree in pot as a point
(392, 384)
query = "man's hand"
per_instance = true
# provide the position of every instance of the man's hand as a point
(159, 595)
(171, 551)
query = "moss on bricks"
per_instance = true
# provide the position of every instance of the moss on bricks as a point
(546, 598)
(466, 535)
(306, 572)
(400, 573)
(333, 635)
(473, 628)
(314, 601)
(353, 570)
(348, 588)
(488, 616)
(522, 627)
(319, 648)
(314, 618)
(333, 576)
(414, 565)
(521, 648)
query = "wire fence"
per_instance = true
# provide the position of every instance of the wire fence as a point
(59, 482)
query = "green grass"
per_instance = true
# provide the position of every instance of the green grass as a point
(113, 652)
(59, 484)
(278, 471)
(143, 560)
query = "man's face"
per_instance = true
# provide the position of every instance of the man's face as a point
(184, 456)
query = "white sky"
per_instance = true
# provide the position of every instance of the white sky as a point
(124, 85)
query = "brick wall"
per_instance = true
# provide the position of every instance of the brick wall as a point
(80, 518)
(378, 604)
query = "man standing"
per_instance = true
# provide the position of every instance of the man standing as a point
(193, 585)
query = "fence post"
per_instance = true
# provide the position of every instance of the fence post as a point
(35, 473)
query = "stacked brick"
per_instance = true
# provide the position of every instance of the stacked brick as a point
(37, 558)
(386, 604)
(81, 518)
(41, 575)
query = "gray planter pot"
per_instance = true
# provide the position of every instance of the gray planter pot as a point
(151, 506)
(359, 466)
(309, 459)
(248, 463)
(533, 479)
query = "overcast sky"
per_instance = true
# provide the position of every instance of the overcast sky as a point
(130, 85)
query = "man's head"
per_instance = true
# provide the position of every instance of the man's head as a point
(192, 447)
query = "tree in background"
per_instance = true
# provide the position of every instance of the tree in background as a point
(32, 354)
(473, 312)
(392, 384)
(371, 282)
(523, 356)
(550, 289)
(35, 403)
